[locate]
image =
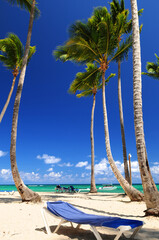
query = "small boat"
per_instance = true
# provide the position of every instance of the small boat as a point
(108, 187)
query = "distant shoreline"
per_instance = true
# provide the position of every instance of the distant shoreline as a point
(82, 187)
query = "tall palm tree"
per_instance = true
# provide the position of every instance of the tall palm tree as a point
(123, 25)
(153, 68)
(96, 41)
(88, 83)
(25, 193)
(12, 52)
(151, 195)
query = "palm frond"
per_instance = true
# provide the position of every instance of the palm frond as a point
(106, 80)
(12, 51)
(123, 50)
(25, 4)
(18, 46)
(86, 80)
(153, 75)
(32, 51)
(152, 69)
(8, 50)
(77, 50)
(157, 60)
(85, 93)
(107, 38)
(116, 8)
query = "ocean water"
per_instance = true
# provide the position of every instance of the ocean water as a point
(83, 187)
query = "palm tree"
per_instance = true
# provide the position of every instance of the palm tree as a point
(96, 41)
(88, 83)
(25, 193)
(123, 26)
(153, 69)
(12, 52)
(151, 195)
(119, 17)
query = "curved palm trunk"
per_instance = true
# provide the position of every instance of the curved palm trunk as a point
(26, 193)
(150, 192)
(93, 185)
(9, 97)
(132, 193)
(127, 177)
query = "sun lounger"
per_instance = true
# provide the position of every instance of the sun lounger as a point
(68, 213)
(60, 189)
(74, 190)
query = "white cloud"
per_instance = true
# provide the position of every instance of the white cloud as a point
(101, 167)
(66, 165)
(30, 176)
(120, 166)
(49, 159)
(82, 164)
(53, 175)
(88, 167)
(5, 174)
(155, 169)
(84, 175)
(135, 167)
(156, 163)
(50, 169)
(2, 154)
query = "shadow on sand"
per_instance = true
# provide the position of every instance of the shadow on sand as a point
(82, 234)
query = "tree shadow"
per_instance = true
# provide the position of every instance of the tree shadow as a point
(10, 200)
(79, 234)
(108, 213)
(83, 234)
(148, 234)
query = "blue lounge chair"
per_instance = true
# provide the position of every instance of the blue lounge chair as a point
(62, 189)
(68, 213)
(74, 190)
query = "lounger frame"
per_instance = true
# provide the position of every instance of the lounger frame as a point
(120, 229)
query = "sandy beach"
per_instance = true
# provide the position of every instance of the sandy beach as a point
(23, 221)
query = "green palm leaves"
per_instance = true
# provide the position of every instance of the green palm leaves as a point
(88, 82)
(153, 68)
(11, 55)
(120, 17)
(12, 52)
(25, 4)
(91, 41)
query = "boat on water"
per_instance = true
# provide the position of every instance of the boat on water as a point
(107, 187)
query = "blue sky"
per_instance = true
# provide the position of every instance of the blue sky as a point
(53, 141)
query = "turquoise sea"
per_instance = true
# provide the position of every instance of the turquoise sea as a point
(83, 187)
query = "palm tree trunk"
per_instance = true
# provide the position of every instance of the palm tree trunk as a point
(26, 193)
(150, 192)
(93, 185)
(132, 193)
(127, 177)
(8, 99)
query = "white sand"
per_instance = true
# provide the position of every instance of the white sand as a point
(23, 221)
